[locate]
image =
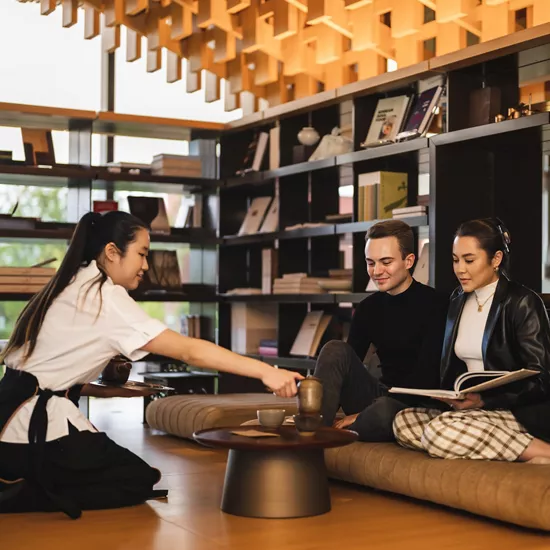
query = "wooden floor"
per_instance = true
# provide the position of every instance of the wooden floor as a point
(191, 519)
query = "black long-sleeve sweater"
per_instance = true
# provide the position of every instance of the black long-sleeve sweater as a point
(407, 331)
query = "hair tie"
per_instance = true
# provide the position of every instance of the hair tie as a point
(504, 233)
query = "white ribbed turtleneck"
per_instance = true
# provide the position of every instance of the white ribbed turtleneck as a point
(472, 325)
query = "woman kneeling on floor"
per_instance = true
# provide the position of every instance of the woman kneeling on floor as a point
(494, 324)
(51, 456)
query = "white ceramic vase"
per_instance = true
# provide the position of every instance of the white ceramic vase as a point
(308, 136)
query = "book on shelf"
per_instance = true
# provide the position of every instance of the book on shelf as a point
(269, 269)
(38, 146)
(379, 193)
(274, 148)
(164, 271)
(24, 279)
(310, 334)
(104, 206)
(177, 166)
(254, 154)
(387, 120)
(421, 113)
(152, 211)
(409, 211)
(472, 382)
(254, 215)
(271, 220)
(422, 269)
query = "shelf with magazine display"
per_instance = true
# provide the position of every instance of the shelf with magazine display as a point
(439, 161)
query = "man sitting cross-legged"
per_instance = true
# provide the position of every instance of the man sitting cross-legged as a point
(404, 321)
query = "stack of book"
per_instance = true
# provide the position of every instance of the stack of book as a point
(297, 283)
(24, 279)
(176, 165)
(191, 326)
(268, 347)
(410, 211)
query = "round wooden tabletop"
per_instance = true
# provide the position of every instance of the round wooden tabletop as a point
(284, 438)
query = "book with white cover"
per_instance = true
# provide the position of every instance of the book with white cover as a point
(255, 215)
(271, 222)
(422, 269)
(387, 120)
(309, 336)
(472, 382)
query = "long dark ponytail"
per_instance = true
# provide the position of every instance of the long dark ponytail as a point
(93, 232)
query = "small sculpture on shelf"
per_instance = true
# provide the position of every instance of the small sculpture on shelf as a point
(519, 111)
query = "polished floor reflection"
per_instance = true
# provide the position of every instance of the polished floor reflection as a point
(191, 518)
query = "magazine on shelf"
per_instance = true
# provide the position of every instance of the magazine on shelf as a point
(387, 120)
(421, 113)
(472, 382)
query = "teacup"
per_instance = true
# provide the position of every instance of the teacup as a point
(271, 418)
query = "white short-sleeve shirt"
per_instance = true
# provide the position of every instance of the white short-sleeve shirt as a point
(82, 331)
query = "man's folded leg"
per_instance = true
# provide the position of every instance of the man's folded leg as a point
(346, 381)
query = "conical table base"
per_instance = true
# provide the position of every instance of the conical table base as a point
(276, 483)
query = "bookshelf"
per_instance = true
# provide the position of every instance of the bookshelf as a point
(474, 171)
(81, 179)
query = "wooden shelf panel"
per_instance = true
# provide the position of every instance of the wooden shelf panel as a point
(106, 122)
(300, 168)
(494, 129)
(297, 363)
(353, 297)
(58, 176)
(59, 231)
(362, 227)
(261, 178)
(383, 151)
(280, 298)
(189, 292)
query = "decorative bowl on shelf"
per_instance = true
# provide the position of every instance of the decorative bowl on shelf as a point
(308, 136)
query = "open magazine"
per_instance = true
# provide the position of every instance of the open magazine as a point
(472, 382)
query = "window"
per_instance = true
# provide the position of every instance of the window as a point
(37, 55)
(142, 93)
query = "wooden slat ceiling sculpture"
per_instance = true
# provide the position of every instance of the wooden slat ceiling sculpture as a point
(281, 50)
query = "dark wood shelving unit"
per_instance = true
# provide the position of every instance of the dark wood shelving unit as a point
(474, 172)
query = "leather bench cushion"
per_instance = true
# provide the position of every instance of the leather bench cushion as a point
(182, 415)
(513, 492)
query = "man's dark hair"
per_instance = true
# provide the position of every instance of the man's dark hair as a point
(394, 228)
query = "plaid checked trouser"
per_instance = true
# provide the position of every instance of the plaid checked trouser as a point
(475, 433)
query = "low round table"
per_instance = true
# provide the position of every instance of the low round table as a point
(275, 477)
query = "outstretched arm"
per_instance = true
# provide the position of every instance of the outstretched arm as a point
(201, 353)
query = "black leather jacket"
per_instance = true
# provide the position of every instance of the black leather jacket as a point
(517, 335)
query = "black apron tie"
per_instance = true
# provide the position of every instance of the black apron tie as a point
(38, 430)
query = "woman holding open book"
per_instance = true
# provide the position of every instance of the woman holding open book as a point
(493, 324)
(51, 456)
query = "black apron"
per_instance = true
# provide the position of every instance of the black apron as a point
(83, 470)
